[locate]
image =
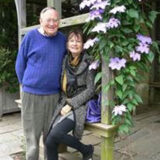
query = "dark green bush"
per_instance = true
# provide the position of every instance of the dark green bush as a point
(8, 77)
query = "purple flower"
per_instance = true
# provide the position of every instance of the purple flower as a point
(117, 63)
(135, 56)
(113, 23)
(88, 3)
(142, 48)
(90, 43)
(85, 3)
(94, 65)
(118, 110)
(95, 14)
(120, 9)
(95, 1)
(100, 27)
(144, 39)
(101, 5)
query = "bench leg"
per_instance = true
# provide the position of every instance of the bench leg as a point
(62, 148)
(107, 148)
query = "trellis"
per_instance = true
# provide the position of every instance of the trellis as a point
(104, 129)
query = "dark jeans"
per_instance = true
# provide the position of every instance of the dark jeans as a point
(59, 134)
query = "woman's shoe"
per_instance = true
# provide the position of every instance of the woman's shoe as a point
(89, 155)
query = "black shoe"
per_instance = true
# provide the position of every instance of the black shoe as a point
(89, 155)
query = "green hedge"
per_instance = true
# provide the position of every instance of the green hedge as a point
(8, 77)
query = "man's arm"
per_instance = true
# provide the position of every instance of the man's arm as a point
(21, 62)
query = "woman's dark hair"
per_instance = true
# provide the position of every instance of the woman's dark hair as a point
(77, 33)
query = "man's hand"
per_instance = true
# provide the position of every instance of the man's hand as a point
(65, 109)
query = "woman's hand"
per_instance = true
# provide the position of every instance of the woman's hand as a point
(67, 108)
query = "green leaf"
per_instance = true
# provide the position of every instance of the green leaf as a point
(128, 122)
(138, 98)
(106, 87)
(119, 93)
(150, 56)
(102, 44)
(136, 28)
(134, 101)
(110, 44)
(133, 13)
(149, 24)
(133, 72)
(112, 82)
(152, 16)
(123, 128)
(127, 30)
(119, 79)
(130, 106)
(155, 46)
(98, 77)
(118, 49)
(124, 87)
(125, 43)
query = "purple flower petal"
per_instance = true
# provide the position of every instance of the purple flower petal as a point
(135, 56)
(143, 48)
(90, 43)
(94, 65)
(113, 23)
(118, 110)
(117, 63)
(144, 39)
(120, 9)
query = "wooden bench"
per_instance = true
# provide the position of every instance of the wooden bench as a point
(106, 132)
(154, 84)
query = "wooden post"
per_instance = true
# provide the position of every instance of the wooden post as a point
(57, 4)
(107, 145)
(21, 16)
(154, 65)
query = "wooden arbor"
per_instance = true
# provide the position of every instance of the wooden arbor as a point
(104, 129)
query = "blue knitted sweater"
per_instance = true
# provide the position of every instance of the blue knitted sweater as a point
(39, 62)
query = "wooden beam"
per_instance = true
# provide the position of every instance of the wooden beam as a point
(80, 19)
(101, 129)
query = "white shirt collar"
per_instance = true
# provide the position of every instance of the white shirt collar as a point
(41, 30)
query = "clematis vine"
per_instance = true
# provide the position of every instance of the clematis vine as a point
(119, 110)
(117, 63)
(122, 28)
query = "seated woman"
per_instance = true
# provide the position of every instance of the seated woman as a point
(77, 88)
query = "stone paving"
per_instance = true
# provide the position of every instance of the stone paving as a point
(143, 143)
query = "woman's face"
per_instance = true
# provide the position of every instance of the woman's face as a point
(75, 44)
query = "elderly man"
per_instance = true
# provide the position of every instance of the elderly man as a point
(38, 68)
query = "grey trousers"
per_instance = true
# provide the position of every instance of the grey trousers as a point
(37, 111)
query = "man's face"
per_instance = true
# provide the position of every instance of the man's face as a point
(49, 21)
